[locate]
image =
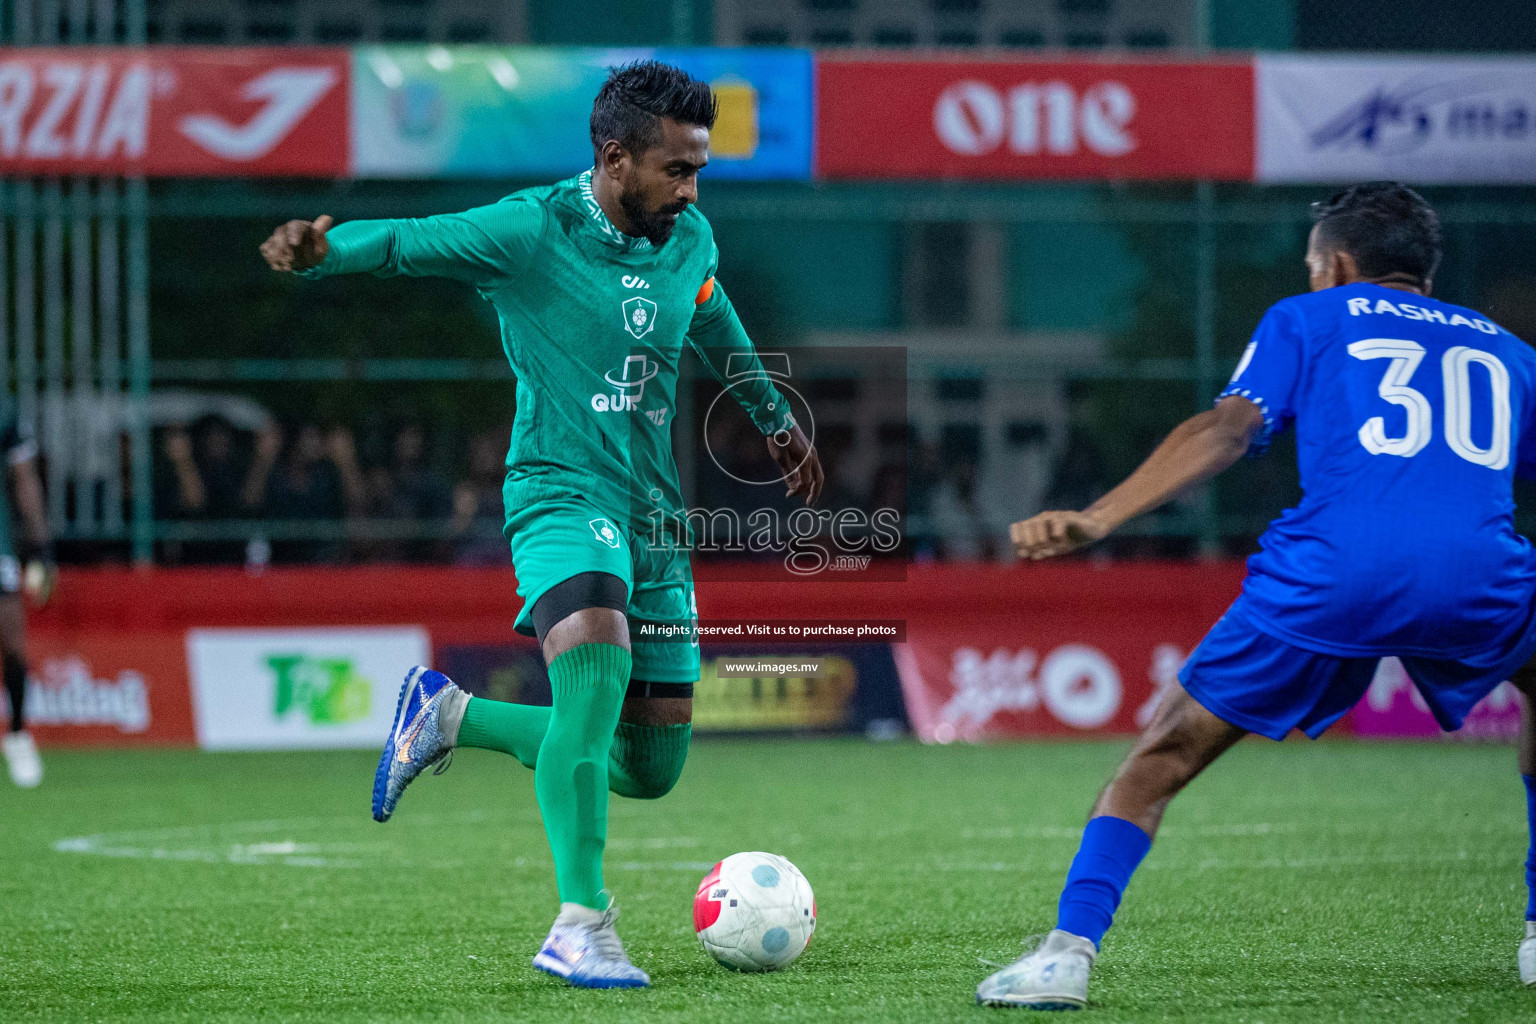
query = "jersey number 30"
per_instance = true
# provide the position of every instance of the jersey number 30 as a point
(1456, 371)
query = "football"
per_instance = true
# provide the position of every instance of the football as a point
(754, 912)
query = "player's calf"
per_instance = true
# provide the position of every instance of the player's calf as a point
(646, 761)
(1182, 739)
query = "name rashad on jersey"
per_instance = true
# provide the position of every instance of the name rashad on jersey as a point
(1357, 307)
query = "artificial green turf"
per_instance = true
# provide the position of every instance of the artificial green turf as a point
(1296, 882)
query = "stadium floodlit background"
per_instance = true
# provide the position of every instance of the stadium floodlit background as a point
(1005, 245)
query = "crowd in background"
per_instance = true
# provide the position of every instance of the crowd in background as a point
(274, 492)
(303, 493)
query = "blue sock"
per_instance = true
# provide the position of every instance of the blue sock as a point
(1530, 859)
(1111, 849)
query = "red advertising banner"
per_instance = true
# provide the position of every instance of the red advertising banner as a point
(108, 687)
(172, 111)
(1034, 119)
(1067, 651)
(990, 651)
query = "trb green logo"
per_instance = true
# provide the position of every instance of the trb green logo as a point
(326, 691)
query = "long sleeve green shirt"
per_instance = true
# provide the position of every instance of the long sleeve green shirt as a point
(594, 323)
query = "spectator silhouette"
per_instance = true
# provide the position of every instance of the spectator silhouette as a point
(319, 480)
(477, 505)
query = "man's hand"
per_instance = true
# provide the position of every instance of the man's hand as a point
(793, 453)
(298, 245)
(1055, 533)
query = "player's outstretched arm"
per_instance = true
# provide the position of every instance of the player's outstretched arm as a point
(1197, 450)
(486, 246)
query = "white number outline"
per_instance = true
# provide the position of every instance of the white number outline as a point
(1456, 378)
(1456, 370)
(1406, 356)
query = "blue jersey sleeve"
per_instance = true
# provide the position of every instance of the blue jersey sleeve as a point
(1268, 373)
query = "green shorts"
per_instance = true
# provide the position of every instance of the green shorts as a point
(555, 540)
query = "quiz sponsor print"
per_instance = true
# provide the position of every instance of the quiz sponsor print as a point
(1341, 118)
(266, 689)
(1034, 119)
(174, 111)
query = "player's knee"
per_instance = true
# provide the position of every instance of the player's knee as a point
(645, 762)
(644, 782)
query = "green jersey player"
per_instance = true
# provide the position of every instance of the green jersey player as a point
(599, 282)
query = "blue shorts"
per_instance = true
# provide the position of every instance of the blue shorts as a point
(1244, 676)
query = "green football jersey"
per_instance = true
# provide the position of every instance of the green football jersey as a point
(594, 323)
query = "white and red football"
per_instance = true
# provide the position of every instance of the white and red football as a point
(754, 912)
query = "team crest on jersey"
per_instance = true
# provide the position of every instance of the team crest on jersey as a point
(639, 316)
(603, 530)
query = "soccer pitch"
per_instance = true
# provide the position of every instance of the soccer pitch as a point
(1296, 882)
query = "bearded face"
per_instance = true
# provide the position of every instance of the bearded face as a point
(652, 218)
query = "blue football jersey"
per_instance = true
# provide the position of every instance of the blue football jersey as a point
(1412, 419)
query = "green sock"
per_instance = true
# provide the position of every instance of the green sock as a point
(515, 729)
(571, 779)
(644, 763)
(647, 759)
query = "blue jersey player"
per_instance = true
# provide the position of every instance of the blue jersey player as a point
(1413, 418)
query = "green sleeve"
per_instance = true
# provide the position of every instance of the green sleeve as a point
(484, 246)
(717, 336)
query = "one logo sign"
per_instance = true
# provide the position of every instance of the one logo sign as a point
(289, 94)
(603, 530)
(974, 118)
(634, 281)
(639, 316)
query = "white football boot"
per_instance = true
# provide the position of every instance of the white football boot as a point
(21, 758)
(1054, 976)
(1528, 955)
(584, 949)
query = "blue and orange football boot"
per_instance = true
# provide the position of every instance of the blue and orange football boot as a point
(416, 742)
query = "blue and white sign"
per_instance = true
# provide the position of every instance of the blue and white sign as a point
(522, 112)
(1420, 120)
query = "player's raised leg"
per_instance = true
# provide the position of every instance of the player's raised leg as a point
(1525, 681)
(1181, 740)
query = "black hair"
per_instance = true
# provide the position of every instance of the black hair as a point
(631, 104)
(1386, 226)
